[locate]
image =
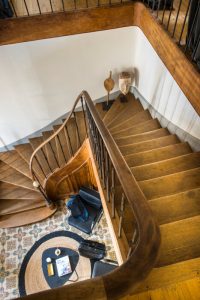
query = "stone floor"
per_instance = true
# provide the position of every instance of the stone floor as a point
(15, 242)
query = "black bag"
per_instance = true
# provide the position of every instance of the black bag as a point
(5, 9)
(92, 250)
(160, 4)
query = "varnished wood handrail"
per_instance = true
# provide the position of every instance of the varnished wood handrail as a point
(140, 262)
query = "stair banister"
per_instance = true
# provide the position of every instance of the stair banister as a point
(144, 245)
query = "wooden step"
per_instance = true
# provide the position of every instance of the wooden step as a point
(115, 109)
(184, 290)
(142, 137)
(138, 118)
(171, 184)
(51, 149)
(158, 154)
(180, 241)
(41, 154)
(176, 207)
(166, 167)
(10, 175)
(149, 145)
(26, 151)
(100, 110)
(73, 137)
(26, 217)
(10, 191)
(11, 206)
(131, 109)
(81, 125)
(13, 159)
(137, 129)
(165, 276)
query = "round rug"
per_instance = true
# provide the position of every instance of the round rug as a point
(31, 276)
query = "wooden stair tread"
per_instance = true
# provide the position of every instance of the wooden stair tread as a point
(25, 151)
(149, 145)
(167, 275)
(81, 125)
(13, 159)
(176, 207)
(10, 191)
(180, 241)
(26, 217)
(100, 110)
(158, 154)
(132, 108)
(171, 184)
(166, 167)
(142, 137)
(146, 126)
(10, 175)
(140, 117)
(115, 109)
(10, 206)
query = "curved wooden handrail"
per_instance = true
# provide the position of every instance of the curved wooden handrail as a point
(140, 262)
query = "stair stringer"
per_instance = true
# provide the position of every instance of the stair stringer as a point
(76, 173)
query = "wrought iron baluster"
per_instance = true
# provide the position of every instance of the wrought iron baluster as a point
(38, 4)
(84, 116)
(164, 11)
(121, 215)
(107, 177)
(63, 153)
(25, 4)
(63, 5)
(13, 8)
(183, 26)
(47, 161)
(179, 7)
(75, 7)
(69, 140)
(133, 242)
(192, 28)
(170, 13)
(54, 154)
(50, 2)
(35, 157)
(77, 129)
(113, 191)
(158, 8)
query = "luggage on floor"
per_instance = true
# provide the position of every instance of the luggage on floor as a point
(92, 250)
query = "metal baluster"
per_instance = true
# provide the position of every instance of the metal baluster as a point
(102, 161)
(164, 11)
(121, 215)
(45, 157)
(51, 6)
(192, 28)
(113, 191)
(25, 4)
(86, 3)
(84, 116)
(35, 157)
(63, 5)
(13, 8)
(184, 22)
(40, 187)
(68, 137)
(133, 242)
(38, 4)
(77, 129)
(179, 7)
(107, 177)
(158, 8)
(54, 154)
(170, 13)
(75, 4)
(61, 147)
(196, 47)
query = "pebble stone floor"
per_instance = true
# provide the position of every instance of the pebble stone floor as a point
(15, 242)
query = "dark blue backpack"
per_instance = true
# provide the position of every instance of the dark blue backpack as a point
(5, 9)
(77, 208)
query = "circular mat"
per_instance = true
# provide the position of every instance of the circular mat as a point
(32, 278)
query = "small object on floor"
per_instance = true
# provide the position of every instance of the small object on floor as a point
(92, 249)
(92, 203)
(109, 85)
(57, 252)
(50, 269)
(100, 268)
(63, 266)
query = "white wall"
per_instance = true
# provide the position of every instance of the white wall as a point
(40, 80)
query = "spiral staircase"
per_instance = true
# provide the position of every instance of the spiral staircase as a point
(146, 177)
